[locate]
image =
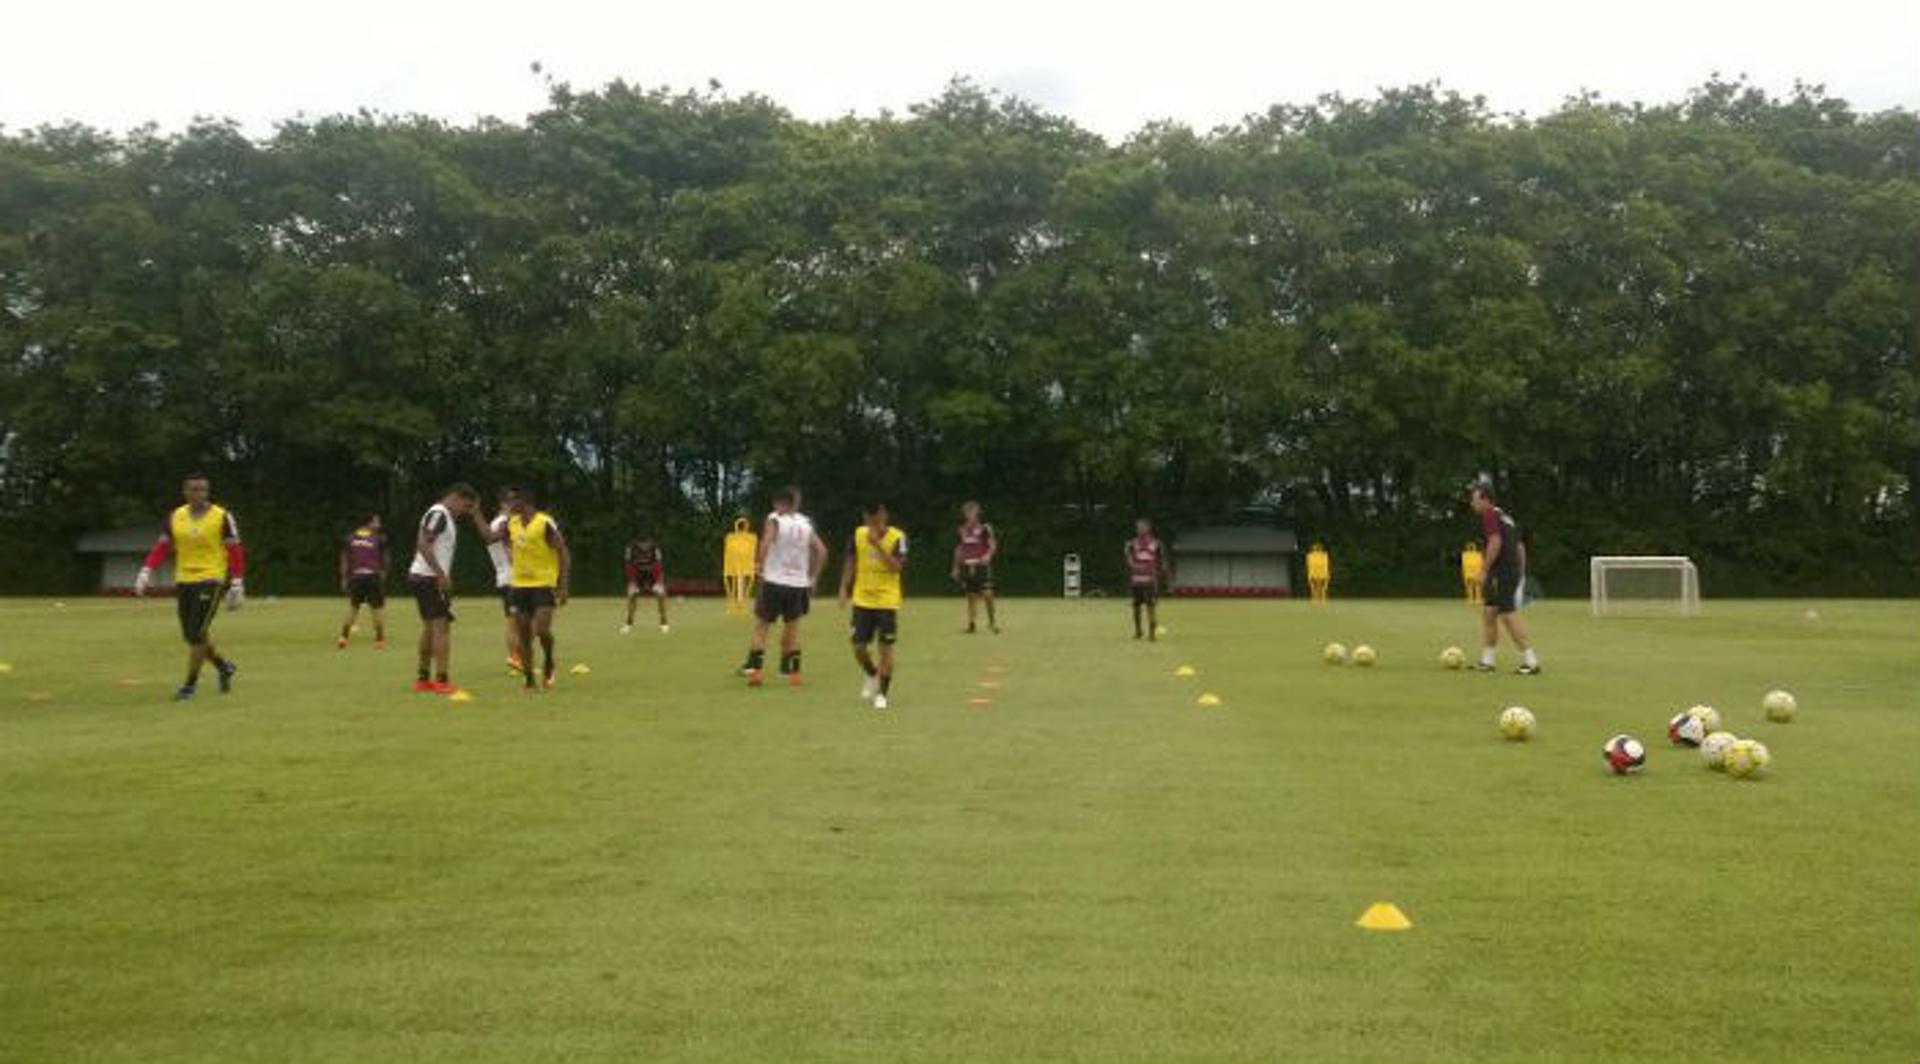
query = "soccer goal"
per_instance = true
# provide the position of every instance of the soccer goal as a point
(1644, 585)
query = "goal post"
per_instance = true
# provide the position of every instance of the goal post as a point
(1644, 584)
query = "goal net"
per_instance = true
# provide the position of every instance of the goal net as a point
(1644, 586)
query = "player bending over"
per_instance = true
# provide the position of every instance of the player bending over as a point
(430, 578)
(363, 576)
(973, 565)
(1146, 571)
(646, 572)
(871, 578)
(790, 559)
(1502, 574)
(542, 571)
(210, 564)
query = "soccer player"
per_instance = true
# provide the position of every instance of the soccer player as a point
(1501, 578)
(871, 578)
(1319, 572)
(501, 557)
(646, 571)
(791, 557)
(1146, 571)
(973, 564)
(210, 564)
(363, 576)
(430, 578)
(542, 572)
(1472, 564)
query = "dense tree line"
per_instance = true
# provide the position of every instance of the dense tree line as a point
(1683, 328)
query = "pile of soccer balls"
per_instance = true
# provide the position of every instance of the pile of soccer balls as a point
(1700, 727)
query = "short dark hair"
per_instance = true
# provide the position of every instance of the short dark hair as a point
(524, 492)
(196, 475)
(463, 489)
(369, 516)
(786, 495)
(871, 507)
(1481, 488)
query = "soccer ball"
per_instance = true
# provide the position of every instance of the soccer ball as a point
(1685, 729)
(1453, 658)
(1516, 724)
(1708, 716)
(1747, 757)
(1780, 706)
(1624, 754)
(1713, 749)
(1363, 655)
(1335, 654)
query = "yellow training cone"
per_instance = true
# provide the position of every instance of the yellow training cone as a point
(1208, 699)
(1184, 670)
(1383, 916)
(580, 669)
(460, 696)
(6, 666)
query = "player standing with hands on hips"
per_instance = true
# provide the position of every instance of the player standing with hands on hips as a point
(210, 564)
(871, 578)
(1501, 577)
(973, 565)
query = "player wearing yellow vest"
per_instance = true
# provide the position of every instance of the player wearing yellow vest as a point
(209, 562)
(542, 571)
(1319, 572)
(871, 579)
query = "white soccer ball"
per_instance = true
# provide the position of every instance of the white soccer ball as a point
(1713, 749)
(1780, 706)
(1516, 724)
(1363, 655)
(1747, 758)
(1708, 717)
(1685, 729)
(1453, 658)
(1624, 754)
(1335, 654)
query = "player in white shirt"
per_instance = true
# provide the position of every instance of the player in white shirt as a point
(431, 579)
(502, 559)
(788, 565)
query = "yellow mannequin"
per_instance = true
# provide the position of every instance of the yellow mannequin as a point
(1319, 572)
(742, 544)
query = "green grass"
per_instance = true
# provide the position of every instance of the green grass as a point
(654, 863)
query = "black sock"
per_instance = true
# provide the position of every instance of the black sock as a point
(791, 663)
(424, 675)
(886, 681)
(1136, 620)
(756, 659)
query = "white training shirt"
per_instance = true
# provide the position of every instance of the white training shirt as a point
(790, 552)
(437, 521)
(497, 550)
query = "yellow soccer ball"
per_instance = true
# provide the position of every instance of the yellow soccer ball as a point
(1335, 654)
(1748, 758)
(1516, 724)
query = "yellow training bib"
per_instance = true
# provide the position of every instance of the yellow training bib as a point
(876, 587)
(199, 545)
(535, 561)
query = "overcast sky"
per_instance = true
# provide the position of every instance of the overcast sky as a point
(1111, 66)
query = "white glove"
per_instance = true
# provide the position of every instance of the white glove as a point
(236, 594)
(144, 581)
(659, 591)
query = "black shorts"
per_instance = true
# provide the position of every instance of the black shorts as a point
(1502, 592)
(1146, 594)
(433, 602)
(367, 589)
(199, 603)
(778, 602)
(977, 579)
(868, 623)
(527, 601)
(506, 599)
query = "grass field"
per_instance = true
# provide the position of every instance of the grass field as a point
(654, 863)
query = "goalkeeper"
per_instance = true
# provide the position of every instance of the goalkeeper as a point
(210, 564)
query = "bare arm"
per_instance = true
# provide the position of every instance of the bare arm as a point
(767, 532)
(847, 566)
(1494, 544)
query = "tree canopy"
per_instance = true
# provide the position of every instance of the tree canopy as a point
(1686, 328)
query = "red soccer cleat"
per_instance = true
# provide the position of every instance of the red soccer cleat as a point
(754, 677)
(442, 687)
(793, 679)
(423, 687)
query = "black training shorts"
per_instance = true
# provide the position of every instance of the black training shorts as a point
(199, 602)
(367, 589)
(868, 623)
(977, 579)
(527, 601)
(1146, 594)
(778, 602)
(433, 602)
(1502, 592)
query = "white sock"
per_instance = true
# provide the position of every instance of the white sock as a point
(1529, 657)
(1486, 655)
